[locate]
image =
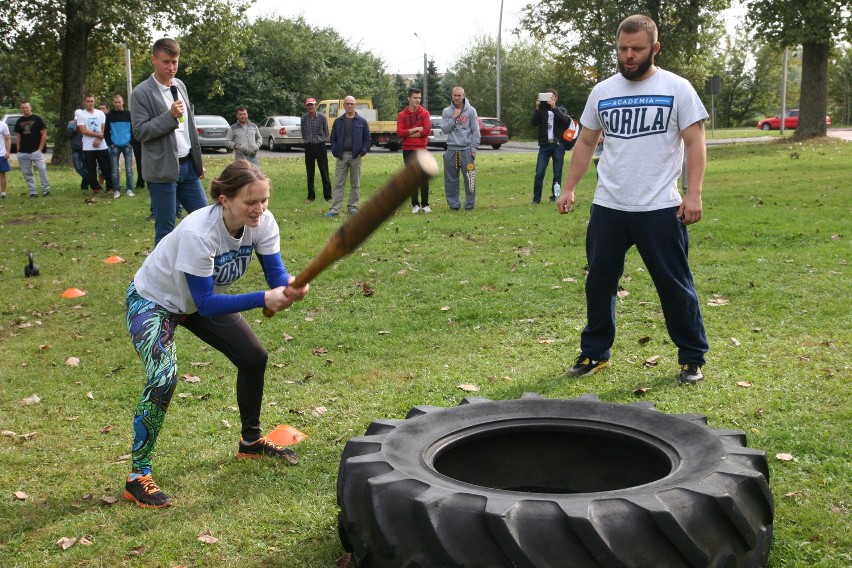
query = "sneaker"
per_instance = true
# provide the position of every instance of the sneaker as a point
(427, 209)
(145, 493)
(116, 194)
(46, 194)
(690, 374)
(583, 366)
(3, 195)
(415, 209)
(553, 199)
(265, 447)
(34, 195)
(130, 193)
(150, 217)
(331, 214)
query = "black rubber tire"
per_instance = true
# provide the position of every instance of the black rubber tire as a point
(496, 146)
(271, 144)
(766, 126)
(563, 483)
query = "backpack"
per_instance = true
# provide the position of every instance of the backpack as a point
(569, 137)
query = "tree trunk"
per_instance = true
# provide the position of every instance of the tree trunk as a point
(74, 51)
(814, 97)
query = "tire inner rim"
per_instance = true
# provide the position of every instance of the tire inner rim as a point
(542, 456)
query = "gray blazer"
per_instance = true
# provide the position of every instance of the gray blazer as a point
(154, 127)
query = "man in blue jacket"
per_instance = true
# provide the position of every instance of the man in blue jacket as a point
(350, 140)
(119, 137)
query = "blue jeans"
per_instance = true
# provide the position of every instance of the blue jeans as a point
(164, 198)
(80, 168)
(115, 152)
(545, 153)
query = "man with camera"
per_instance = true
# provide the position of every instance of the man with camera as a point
(551, 121)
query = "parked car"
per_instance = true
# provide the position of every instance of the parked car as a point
(791, 121)
(492, 132)
(281, 132)
(437, 139)
(212, 131)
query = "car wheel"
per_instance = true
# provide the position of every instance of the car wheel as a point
(272, 147)
(496, 146)
(537, 482)
(766, 126)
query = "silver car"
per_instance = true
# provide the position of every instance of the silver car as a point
(281, 132)
(212, 131)
(437, 138)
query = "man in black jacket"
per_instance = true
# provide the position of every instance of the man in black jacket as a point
(552, 122)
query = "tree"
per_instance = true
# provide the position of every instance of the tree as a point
(439, 94)
(815, 25)
(64, 34)
(583, 32)
(840, 86)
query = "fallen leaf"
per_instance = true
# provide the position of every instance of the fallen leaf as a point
(72, 362)
(545, 341)
(344, 561)
(622, 293)
(718, 301)
(200, 363)
(109, 500)
(191, 378)
(106, 429)
(122, 459)
(137, 550)
(366, 289)
(66, 542)
(20, 495)
(44, 347)
(206, 536)
(90, 395)
(641, 391)
(735, 342)
(791, 494)
(86, 540)
(644, 340)
(318, 410)
(320, 351)
(652, 361)
(226, 424)
(287, 337)
(784, 457)
(184, 395)
(309, 318)
(745, 384)
(33, 399)
(27, 436)
(384, 333)
(469, 388)
(445, 308)
(8, 433)
(569, 280)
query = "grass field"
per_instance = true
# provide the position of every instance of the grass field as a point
(492, 297)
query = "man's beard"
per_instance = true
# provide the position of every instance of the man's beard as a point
(638, 72)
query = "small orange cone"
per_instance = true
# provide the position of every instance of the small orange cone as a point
(73, 293)
(114, 260)
(285, 435)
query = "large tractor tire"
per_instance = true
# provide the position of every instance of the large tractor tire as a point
(534, 482)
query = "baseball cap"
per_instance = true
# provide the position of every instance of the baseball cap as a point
(310, 100)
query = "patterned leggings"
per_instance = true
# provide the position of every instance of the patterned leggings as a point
(152, 328)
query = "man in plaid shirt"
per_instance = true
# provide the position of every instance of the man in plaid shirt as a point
(314, 135)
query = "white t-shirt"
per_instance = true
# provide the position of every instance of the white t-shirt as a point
(642, 121)
(181, 133)
(4, 132)
(93, 121)
(202, 246)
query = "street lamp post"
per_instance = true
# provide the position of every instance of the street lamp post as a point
(783, 93)
(425, 102)
(499, 30)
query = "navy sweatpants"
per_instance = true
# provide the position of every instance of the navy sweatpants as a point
(663, 243)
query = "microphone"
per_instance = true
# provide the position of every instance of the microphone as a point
(173, 89)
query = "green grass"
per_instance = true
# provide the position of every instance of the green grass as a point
(493, 297)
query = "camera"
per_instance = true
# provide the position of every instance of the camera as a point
(545, 97)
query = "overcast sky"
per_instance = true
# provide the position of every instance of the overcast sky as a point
(445, 27)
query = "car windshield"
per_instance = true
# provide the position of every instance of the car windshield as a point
(289, 121)
(492, 122)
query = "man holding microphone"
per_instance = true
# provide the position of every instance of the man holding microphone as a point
(164, 123)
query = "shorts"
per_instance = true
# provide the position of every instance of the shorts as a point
(4, 165)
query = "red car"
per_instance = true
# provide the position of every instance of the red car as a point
(791, 121)
(492, 132)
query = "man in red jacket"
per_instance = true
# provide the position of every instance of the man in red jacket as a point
(414, 126)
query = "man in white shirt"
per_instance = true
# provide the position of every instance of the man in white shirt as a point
(5, 142)
(164, 123)
(90, 123)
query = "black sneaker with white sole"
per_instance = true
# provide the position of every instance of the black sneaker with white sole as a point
(691, 374)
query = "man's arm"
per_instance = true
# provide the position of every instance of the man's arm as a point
(258, 139)
(696, 162)
(229, 139)
(581, 157)
(475, 135)
(365, 138)
(7, 139)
